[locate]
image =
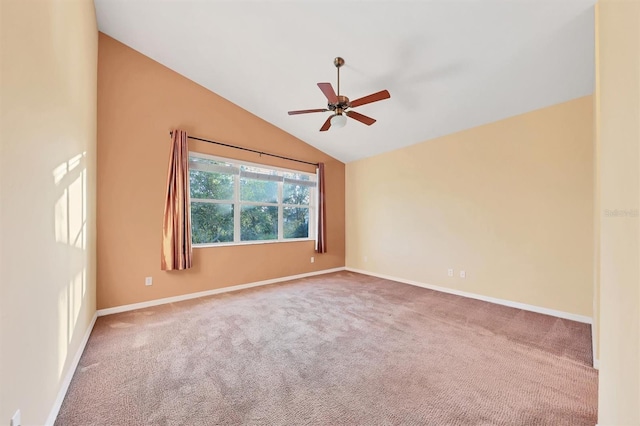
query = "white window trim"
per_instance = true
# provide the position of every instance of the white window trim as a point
(236, 165)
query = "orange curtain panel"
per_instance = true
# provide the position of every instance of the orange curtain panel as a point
(176, 227)
(321, 238)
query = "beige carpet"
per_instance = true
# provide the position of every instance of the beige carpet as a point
(337, 349)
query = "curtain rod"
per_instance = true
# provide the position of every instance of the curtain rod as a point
(250, 150)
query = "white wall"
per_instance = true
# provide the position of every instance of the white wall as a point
(47, 197)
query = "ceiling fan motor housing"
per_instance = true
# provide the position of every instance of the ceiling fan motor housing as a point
(342, 104)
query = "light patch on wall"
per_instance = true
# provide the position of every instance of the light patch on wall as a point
(71, 231)
(66, 167)
(71, 207)
(75, 296)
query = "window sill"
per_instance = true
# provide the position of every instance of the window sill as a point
(248, 243)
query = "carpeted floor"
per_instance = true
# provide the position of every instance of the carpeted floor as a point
(336, 349)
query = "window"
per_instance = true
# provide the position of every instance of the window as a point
(238, 202)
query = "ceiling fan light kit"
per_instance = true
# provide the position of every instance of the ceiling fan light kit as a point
(340, 104)
(338, 120)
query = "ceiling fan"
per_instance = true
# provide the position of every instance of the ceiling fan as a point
(340, 104)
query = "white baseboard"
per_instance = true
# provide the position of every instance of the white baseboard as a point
(156, 302)
(596, 363)
(62, 392)
(518, 305)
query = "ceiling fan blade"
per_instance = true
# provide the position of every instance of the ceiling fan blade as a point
(328, 91)
(326, 124)
(384, 94)
(361, 118)
(306, 111)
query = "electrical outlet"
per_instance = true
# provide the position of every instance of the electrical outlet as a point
(463, 274)
(312, 259)
(365, 258)
(148, 281)
(15, 420)
(450, 272)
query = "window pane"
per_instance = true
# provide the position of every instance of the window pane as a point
(295, 194)
(258, 223)
(211, 223)
(213, 186)
(296, 222)
(258, 190)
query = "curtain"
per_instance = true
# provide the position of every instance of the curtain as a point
(176, 228)
(321, 237)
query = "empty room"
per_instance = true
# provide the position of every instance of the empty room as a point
(319, 212)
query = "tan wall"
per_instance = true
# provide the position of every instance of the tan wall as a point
(511, 203)
(597, 213)
(139, 101)
(619, 163)
(47, 192)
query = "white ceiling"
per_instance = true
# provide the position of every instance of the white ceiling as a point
(449, 65)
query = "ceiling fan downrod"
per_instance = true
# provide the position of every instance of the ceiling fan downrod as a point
(338, 62)
(342, 102)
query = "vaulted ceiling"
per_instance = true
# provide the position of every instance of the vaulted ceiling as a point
(449, 65)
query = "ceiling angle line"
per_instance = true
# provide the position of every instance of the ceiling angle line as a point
(250, 150)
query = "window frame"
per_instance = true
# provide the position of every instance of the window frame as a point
(237, 203)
